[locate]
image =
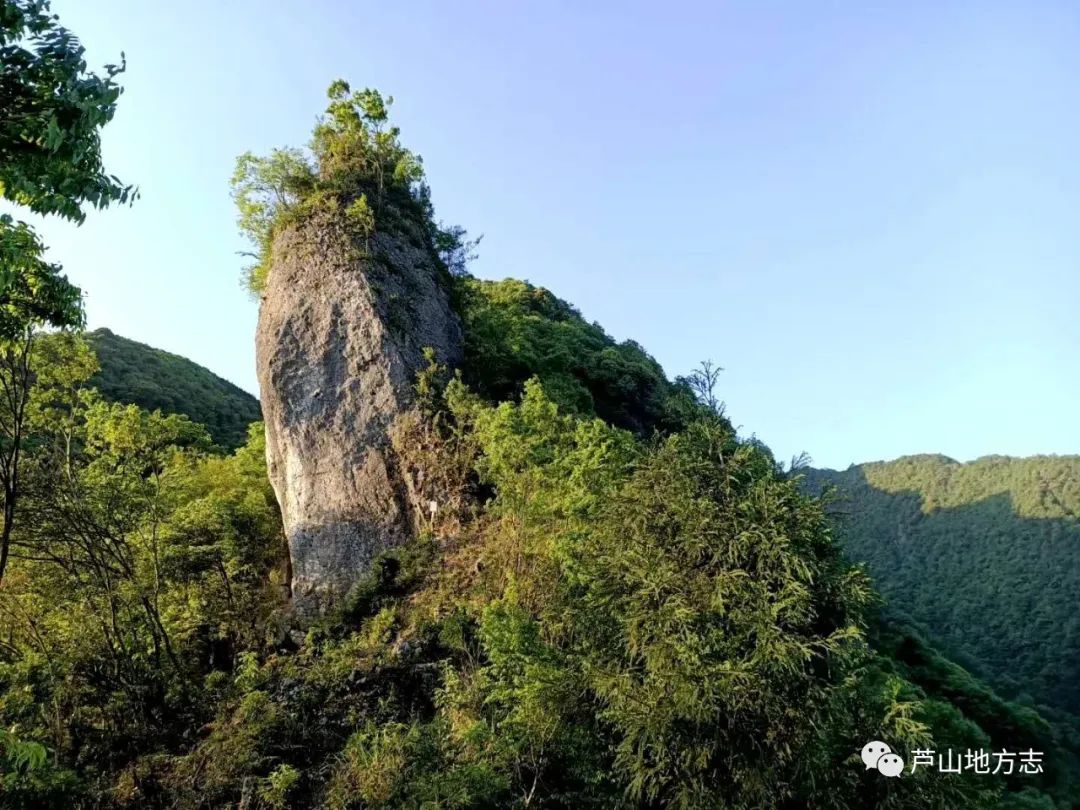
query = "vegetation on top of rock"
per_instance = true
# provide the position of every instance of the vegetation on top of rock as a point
(356, 169)
(136, 374)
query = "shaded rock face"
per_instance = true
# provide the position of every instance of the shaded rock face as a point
(339, 341)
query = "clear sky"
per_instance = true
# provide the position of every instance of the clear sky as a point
(868, 213)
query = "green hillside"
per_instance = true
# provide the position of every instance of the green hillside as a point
(137, 374)
(983, 558)
(514, 331)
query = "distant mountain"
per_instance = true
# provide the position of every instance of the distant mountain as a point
(983, 557)
(133, 372)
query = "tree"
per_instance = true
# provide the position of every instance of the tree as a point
(702, 381)
(265, 189)
(50, 162)
(36, 295)
(53, 111)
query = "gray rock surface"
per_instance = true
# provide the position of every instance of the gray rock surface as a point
(339, 341)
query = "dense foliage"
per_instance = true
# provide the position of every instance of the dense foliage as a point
(53, 110)
(622, 623)
(136, 374)
(514, 331)
(982, 557)
(51, 114)
(1000, 536)
(142, 562)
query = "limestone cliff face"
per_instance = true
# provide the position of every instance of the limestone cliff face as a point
(339, 341)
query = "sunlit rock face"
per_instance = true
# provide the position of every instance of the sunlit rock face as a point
(340, 338)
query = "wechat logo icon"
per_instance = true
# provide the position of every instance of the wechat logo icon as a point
(878, 755)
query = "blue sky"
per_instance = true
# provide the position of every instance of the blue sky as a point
(867, 213)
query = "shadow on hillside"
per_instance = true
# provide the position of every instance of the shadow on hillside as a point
(997, 591)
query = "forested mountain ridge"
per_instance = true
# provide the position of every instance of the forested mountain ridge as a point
(515, 330)
(984, 555)
(983, 558)
(134, 373)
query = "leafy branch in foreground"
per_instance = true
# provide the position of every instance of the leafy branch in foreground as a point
(52, 110)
